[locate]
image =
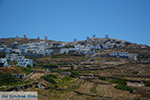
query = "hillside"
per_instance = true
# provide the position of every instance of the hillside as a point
(9, 41)
(111, 43)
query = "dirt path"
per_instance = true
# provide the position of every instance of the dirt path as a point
(72, 94)
(36, 76)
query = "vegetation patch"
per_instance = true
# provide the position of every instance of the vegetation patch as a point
(50, 66)
(123, 87)
(58, 56)
(25, 70)
(102, 78)
(49, 78)
(94, 88)
(65, 81)
(136, 72)
(74, 74)
(119, 81)
(7, 78)
(147, 83)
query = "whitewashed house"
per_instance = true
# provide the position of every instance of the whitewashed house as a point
(25, 62)
(11, 57)
(133, 56)
(91, 52)
(14, 43)
(41, 50)
(15, 50)
(17, 58)
(48, 52)
(113, 54)
(98, 47)
(64, 50)
(3, 62)
(79, 47)
(8, 50)
(104, 46)
(123, 54)
(89, 46)
(1, 49)
(71, 49)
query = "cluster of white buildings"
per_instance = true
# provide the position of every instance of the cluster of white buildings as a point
(88, 49)
(124, 55)
(3, 62)
(40, 48)
(21, 60)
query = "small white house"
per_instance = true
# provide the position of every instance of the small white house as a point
(123, 54)
(25, 62)
(79, 47)
(1, 49)
(8, 50)
(15, 50)
(11, 57)
(113, 54)
(98, 47)
(3, 62)
(133, 56)
(64, 50)
(14, 43)
(89, 46)
(104, 46)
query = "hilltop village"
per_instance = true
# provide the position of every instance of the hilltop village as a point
(42, 48)
(95, 68)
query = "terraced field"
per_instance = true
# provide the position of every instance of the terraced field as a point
(85, 87)
(110, 91)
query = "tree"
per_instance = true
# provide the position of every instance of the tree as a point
(28, 66)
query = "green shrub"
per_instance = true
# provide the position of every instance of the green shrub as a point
(123, 87)
(135, 72)
(93, 89)
(7, 78)
(49, 78)
(74, 74)
(58, 56)
(50, 66)
(28, 66)
(66, 78)
(147, 83)
(102, 78)
(25, 70)
(119, 81)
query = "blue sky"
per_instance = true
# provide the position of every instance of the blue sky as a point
(64, 20)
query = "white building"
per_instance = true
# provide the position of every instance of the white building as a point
(8, 50)
(89, 46)
(21, 60)
(11, 57)
(15, 50)
(25, 62)
(64, 50)
(104, 46)
(98, 47)
(14, 43)
(133, 56)
(79, 47)
(3, 62)
(113, 54)
(123, 54)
